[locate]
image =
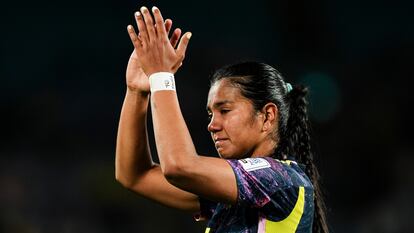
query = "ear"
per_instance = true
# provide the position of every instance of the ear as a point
(270, 115)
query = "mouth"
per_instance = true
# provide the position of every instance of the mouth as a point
(219, 142)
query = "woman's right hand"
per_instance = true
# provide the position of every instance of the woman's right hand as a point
(136, 79)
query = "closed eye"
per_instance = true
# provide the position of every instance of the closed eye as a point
(222, 112)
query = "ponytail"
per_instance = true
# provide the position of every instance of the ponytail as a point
(295, 140)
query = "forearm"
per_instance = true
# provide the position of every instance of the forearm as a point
(132, 149)
(181, 166)
(174, 144)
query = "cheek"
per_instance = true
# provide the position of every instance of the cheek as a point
(233, 126)
(239, 129)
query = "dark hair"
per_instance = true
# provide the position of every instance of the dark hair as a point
(261, 84)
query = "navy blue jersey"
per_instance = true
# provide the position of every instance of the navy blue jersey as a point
(273, 196)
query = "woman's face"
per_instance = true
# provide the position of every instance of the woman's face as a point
(235, 127)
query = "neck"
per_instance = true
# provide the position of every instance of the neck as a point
(265, 149)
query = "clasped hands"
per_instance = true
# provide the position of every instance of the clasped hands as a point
(153, 47)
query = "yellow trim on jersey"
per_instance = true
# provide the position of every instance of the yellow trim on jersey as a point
(207, 230)
(291, 222)
(285, 161)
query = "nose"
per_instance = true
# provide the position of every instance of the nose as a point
(214, 125)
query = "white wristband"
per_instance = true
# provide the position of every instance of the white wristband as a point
(162, 81)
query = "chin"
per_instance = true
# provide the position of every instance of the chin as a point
(223, 154)
(228, 155)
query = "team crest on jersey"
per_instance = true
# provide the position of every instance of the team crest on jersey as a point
(251, 164)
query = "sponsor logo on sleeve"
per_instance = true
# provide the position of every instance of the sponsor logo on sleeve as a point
(252, 164)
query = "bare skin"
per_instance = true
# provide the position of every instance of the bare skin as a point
(183, 175)
(134, 167)
(234, 123)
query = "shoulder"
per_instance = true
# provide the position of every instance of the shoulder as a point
(278, 172)
(259, 180)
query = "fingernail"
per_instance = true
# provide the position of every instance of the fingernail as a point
(137, 14)
(154, 8)
(189, 35)
(143, 9)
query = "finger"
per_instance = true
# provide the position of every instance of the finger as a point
(159, 21)
(149, 23)
(133, 36)
(143, 34)
(182, 46)
(175, 37)
(168, 25)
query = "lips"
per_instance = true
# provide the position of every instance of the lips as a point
(219, 141)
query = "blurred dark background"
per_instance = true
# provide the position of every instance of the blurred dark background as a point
(62, 70)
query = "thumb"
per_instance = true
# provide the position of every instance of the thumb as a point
(182, 46)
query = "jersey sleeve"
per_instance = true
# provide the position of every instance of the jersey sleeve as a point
(258, 179)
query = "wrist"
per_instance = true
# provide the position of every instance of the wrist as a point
(162, 81)
(151, 72)
(136, 92)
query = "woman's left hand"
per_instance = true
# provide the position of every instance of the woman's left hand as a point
(155, 52)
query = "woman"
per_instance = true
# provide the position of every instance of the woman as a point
(258, 124)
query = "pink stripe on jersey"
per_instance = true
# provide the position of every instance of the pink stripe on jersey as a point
(261, 228)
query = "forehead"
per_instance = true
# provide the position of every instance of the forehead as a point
(222, 92)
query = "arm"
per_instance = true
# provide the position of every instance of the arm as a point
(132, 150)
(134, 168)
(209, 177)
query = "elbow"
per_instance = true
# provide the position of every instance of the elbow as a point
(174, 172)
(118, 174)
(125, 182)
(122, 178)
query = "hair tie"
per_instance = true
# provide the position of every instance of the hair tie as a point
(288, 87)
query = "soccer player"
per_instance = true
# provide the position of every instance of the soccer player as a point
(265, 179)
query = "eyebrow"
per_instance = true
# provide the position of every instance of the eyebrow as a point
(220, 103)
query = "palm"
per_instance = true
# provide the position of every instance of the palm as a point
(135, 77)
